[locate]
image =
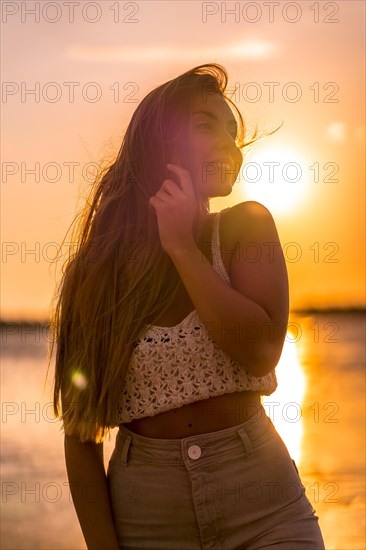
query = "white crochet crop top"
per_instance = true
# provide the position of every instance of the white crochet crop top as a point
(173, 366)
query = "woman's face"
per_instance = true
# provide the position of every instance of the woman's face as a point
(215, 157)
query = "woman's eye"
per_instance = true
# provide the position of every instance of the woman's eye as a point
(204, 125)
(209, 126)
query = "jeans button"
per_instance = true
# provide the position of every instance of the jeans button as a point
(194, 452)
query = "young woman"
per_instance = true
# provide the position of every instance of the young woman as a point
(169, 323)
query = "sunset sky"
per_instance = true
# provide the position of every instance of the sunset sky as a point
(301, 65)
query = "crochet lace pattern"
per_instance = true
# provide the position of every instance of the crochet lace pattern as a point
(174, 366)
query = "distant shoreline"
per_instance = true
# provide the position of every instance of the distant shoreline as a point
(332, 310)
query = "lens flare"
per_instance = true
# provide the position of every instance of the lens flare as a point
(79, 379)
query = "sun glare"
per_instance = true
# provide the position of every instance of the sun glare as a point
(284, 405)
(277, 177)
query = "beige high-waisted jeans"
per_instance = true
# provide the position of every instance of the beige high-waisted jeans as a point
(236, 488)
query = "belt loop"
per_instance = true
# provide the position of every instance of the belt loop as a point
(246, 441)
(126, 446)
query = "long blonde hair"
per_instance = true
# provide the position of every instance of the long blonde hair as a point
(119, 280)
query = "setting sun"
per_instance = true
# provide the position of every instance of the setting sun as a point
(277, 177)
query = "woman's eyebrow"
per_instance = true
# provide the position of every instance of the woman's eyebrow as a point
(213, 116)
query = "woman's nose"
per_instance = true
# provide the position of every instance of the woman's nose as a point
(227, 140)
(228, 148)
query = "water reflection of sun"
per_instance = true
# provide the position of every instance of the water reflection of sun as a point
(284, 405)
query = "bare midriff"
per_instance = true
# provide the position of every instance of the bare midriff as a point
(208, 415)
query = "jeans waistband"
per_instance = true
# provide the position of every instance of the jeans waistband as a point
(206, 444)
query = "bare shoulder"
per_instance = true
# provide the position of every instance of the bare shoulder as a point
(257, 267)
(247, 221)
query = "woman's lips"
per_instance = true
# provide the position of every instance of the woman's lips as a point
(226, 170)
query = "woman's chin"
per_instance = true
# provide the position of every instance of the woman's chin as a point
(223, 194)
(225, 188)
(220, 192)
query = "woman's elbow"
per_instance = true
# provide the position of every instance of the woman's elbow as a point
(263, 361)
(269, 359)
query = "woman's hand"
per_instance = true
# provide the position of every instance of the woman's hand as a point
(176, 209)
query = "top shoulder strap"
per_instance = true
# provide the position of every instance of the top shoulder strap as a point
(217, 263)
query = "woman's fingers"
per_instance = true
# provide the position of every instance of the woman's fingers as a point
(162, 196)
(185, 178)
(171, 187)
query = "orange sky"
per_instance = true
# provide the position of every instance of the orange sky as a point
(313, 63)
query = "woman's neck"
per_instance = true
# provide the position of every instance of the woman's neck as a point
(204, 218)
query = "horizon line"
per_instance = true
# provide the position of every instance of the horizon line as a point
(332, 309)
